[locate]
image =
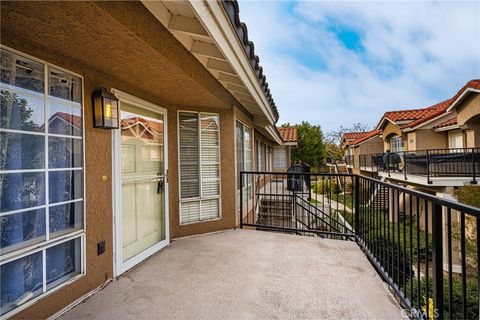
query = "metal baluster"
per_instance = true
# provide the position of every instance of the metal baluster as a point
(449, 257)
(464, 265)
(437, 261)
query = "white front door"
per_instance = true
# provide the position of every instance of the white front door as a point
(141, 215)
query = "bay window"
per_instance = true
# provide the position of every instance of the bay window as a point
(199, 162)
(41, 179)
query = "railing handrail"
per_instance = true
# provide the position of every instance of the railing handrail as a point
(443, 201)
(318, 210)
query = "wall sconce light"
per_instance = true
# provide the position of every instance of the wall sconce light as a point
(105, 109)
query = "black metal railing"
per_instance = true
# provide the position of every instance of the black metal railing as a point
(371, 162)
(425, 247)
(458, 162)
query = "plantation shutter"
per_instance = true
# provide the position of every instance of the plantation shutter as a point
(199, 167)
(248, 149)
(279, 157)
(189, 156)
(260, 157)
(210, 155)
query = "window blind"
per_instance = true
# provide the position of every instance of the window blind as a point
(279, 157)
(189, 155)
(260, 155)
(199, 166)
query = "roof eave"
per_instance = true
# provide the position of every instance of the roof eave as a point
(461, 97)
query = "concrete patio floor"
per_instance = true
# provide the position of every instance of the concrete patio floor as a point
(247, 274)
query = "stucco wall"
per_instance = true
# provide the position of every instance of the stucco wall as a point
(374, 145)
(468, 109)
(388, 132)
(429, 139)
(135, 54)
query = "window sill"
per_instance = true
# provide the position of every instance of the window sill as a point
(197, 222)
(31, 302)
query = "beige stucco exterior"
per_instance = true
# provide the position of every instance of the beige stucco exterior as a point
(135, 54)
(388, 131)
(422, 139)
(468, 118)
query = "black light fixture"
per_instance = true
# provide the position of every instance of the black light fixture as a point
(105, 109)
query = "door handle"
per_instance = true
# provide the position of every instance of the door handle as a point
(160, 184)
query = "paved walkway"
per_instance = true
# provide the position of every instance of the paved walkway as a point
(247, 274)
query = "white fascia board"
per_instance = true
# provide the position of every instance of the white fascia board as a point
(274, 134)
(454, 104)
(358, 144)
(217, 23)
(428, 122)
(382, 122)
(448, 128)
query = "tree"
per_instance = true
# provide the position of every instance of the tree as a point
(335, 136)
(311, 148)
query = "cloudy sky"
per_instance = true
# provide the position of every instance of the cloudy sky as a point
(336, 63)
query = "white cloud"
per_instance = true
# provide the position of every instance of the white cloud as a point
(415, 54)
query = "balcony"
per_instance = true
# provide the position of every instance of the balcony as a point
(425, 248)
(442, 167)
(247, 274)
(312, 246)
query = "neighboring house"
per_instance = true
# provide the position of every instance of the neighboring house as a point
(427, 147)
(346, 145)
(370, 144)
(80, 205)
(282, 154)
(431, 145)
(467, 120)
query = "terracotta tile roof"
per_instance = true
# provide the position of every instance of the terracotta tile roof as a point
(233, 10)
(67, 117)
(154, 126)
(367, 136)
(419, 116)
(447, 123)
(288, 134)
(353, 135)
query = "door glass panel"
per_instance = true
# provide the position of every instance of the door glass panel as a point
(143, 181)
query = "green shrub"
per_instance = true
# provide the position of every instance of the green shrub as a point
(326, 186)
(456, 312)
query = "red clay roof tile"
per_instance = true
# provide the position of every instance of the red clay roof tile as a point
(367, 136)
(353, 135)
(288, 134)
(447, 123)
(419, 116)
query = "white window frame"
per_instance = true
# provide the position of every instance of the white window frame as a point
(249, 186)
(260, 156)
(200, 198)
(452, 135)
(285, 158)
(48, 243)
(397, 144)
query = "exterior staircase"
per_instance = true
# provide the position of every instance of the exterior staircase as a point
(276, 211)
(343, 181)
(379, 197)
